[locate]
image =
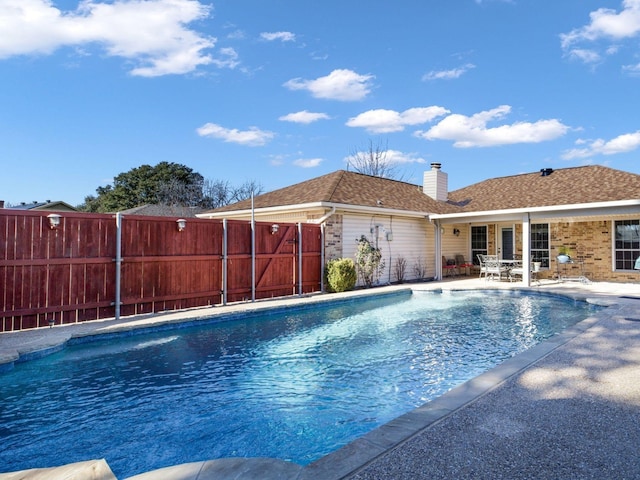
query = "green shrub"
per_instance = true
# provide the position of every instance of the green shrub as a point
(341, 275)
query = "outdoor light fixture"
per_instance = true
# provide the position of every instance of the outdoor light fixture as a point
(456, 232)
(182, 224)
(54, 220)
(274, 228)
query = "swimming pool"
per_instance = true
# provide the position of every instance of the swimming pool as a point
(294, 385)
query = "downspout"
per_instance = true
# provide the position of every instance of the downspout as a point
(438, 245)
(322, 222)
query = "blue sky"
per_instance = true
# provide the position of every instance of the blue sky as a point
(282, 91)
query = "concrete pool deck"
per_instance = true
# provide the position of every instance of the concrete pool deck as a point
(567, 408)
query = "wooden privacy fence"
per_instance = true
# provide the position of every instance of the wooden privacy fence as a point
(95, 266)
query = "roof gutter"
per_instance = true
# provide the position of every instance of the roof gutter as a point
(325, 217)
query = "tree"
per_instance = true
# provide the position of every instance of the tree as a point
(166, 184)
(218, 193)
(244, 191)
(147, 185)
(176, 192)
(373, 161)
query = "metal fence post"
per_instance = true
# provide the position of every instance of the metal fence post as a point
(118, 262)
(299, 258)
(224, 260)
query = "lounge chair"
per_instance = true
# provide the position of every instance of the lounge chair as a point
(448, 266)
(461, 263)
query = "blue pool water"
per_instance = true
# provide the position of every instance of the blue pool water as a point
(294, 385)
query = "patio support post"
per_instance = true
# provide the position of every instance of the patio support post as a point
(526, 250)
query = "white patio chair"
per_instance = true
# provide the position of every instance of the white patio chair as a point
(494, 267)
(483, 269)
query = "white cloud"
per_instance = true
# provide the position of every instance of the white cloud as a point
(585, 55)
(283, 36)
(395, 156)
(606, 24)
(387, 121)
(253, 137)
(307, 163)
(473, 131)
(345, 85)
(620, 144)
(632, 69)
(448, 74)
(152, 33)
(304, 117)
(228, 58)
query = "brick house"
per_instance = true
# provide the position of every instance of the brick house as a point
(593, 211)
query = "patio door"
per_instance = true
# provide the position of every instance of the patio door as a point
(506, 243)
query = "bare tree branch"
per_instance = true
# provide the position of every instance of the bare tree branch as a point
(373, 161)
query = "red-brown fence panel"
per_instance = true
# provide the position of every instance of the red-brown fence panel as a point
(238, 261)
(311, 258)
(276, 259)
(165, 268)
(55, 275)
(68, 274)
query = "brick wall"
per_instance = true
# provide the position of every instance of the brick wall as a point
(589, 242)
(333, 238)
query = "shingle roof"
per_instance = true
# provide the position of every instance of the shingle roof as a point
(48, 205)
(565, 186)
(157, 210)
(348, 188)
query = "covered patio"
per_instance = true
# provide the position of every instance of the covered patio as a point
(602, 240)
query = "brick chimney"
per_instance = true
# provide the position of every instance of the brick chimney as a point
(436, 183)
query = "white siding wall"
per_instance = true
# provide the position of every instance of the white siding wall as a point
(412, 239)
(453, 245)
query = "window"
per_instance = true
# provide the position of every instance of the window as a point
(540, 243)
(627, 243)
(478, 243)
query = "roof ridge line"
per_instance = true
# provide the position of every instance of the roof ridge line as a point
(335, 185)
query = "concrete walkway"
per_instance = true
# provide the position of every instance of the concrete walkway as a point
(568, 408)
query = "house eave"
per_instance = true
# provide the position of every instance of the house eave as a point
(339, 207)
(620, 207)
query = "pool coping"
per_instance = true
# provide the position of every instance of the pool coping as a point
(360, 453)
